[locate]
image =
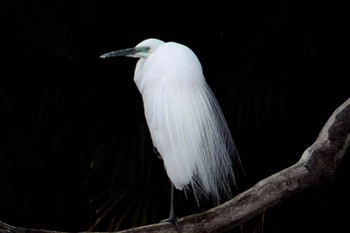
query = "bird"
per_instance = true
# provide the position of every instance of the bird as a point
(186, 124)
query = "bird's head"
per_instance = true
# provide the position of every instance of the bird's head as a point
(142, 50)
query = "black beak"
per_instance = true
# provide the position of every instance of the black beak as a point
(119, 53)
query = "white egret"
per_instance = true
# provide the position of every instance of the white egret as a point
(186, 124)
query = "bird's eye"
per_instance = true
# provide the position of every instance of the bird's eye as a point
(148, 49)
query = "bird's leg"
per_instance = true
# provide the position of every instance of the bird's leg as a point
(172, 217)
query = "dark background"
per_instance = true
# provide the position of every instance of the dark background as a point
(75, 152)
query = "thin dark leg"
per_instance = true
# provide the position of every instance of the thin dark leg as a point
(172, 217)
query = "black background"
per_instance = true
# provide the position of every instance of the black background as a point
(277, 69)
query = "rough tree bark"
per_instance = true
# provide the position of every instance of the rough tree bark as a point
(316, 167)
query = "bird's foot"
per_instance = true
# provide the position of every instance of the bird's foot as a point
(172, 220)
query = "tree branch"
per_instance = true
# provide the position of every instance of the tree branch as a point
(316, 166)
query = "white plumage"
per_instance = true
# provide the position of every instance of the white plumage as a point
(186, 123)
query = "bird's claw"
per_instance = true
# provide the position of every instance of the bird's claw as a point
(172, 220)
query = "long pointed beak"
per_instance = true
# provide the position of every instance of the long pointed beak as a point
(118, 53)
